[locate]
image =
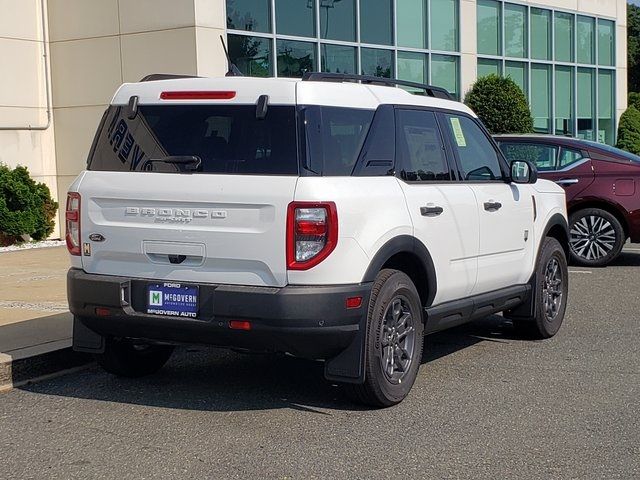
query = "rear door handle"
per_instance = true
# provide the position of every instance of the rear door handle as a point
(568, 181)
(491, 206)
(431, 211)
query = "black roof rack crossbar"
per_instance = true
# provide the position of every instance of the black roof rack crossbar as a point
(429, 90)
(165, 76)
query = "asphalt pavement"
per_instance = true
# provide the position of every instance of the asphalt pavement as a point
(486, 404)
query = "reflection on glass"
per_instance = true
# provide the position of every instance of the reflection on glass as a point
(338, 59)
(586, 39)
(252, 55)
(338, 19)
(295, 58)
(250, 15)
(563, 31)
(606, 42)
(444, 25)
(376, 62)
(564, 101)
(296, 17)
(412, 23)
(413, 67)
(444, 73)
(540, 34)
(541, 97)
(586, 111)
(518, 73)
(489, 67)
(515, 30)
(376, 22)
(489, 27)
(606, 121)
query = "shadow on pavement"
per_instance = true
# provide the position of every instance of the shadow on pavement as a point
(208, 379)
(627, 259)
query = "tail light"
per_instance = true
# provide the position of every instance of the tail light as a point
(72, 216)
(312, 233)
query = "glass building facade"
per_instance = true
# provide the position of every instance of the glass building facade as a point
(415, 40)
(564, 61)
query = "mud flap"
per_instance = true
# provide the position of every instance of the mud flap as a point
(527, 309)
(86, 340)
(348, 365)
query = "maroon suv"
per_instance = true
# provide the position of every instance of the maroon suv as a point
(602, 185)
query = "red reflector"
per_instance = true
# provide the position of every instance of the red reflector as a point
(305, 227)
(354, 302)
(103, 312)
(198, 95)
(240, 325)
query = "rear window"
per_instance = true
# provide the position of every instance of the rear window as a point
(227, 139)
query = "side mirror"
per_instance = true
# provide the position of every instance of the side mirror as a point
(523, 172)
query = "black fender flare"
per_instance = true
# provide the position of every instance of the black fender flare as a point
(405, 244)
(557, 220)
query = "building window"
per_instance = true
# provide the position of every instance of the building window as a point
(412, 24)
(586, 37)
(445, 25)
(249, 15)
(563, 36)
(337, 19)
(295, 58)
(489, 28)
(296, 18)
(252, 55)
(415, 39)
(553, 55)
(376, 22)
(540, 34)
(606, 42)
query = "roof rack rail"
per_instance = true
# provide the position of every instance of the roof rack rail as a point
(165, 76)
(429, 90)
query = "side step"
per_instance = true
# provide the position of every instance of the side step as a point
(458, 312)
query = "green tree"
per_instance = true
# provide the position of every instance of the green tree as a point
(629, 131)
(500, 104)
(26, 207)
(633, 47)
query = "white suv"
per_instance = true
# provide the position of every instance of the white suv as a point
(336, 217)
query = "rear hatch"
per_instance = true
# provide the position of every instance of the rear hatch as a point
(191, 191)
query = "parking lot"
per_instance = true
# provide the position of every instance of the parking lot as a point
(486, 405)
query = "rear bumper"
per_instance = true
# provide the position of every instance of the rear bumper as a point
(306, 321)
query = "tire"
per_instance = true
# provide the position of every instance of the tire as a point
(550, 303)
(595, 237)
(127, 359)
(394, 308)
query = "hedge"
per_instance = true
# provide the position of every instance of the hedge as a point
(501, 105)
(26, 207)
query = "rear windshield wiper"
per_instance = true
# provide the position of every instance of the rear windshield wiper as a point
(186, 163)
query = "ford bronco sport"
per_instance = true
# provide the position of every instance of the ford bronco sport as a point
(337, 218)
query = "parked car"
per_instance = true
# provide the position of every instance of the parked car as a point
(335, 217)
(602, 185)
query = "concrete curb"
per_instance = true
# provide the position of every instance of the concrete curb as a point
(18, 372)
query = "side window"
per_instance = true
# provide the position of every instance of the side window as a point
(569, 156)
(479, 161)
(419, 150)
(543, 156)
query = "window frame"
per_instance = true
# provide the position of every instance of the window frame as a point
(448, 154)
(502, 161)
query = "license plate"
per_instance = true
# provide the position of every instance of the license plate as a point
(172, 299)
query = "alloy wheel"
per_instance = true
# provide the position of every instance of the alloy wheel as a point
(552, 289)
(592, 237)
(398, 339)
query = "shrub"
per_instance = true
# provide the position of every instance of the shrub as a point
(26, 207)
(500, 104)
(629, 131)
